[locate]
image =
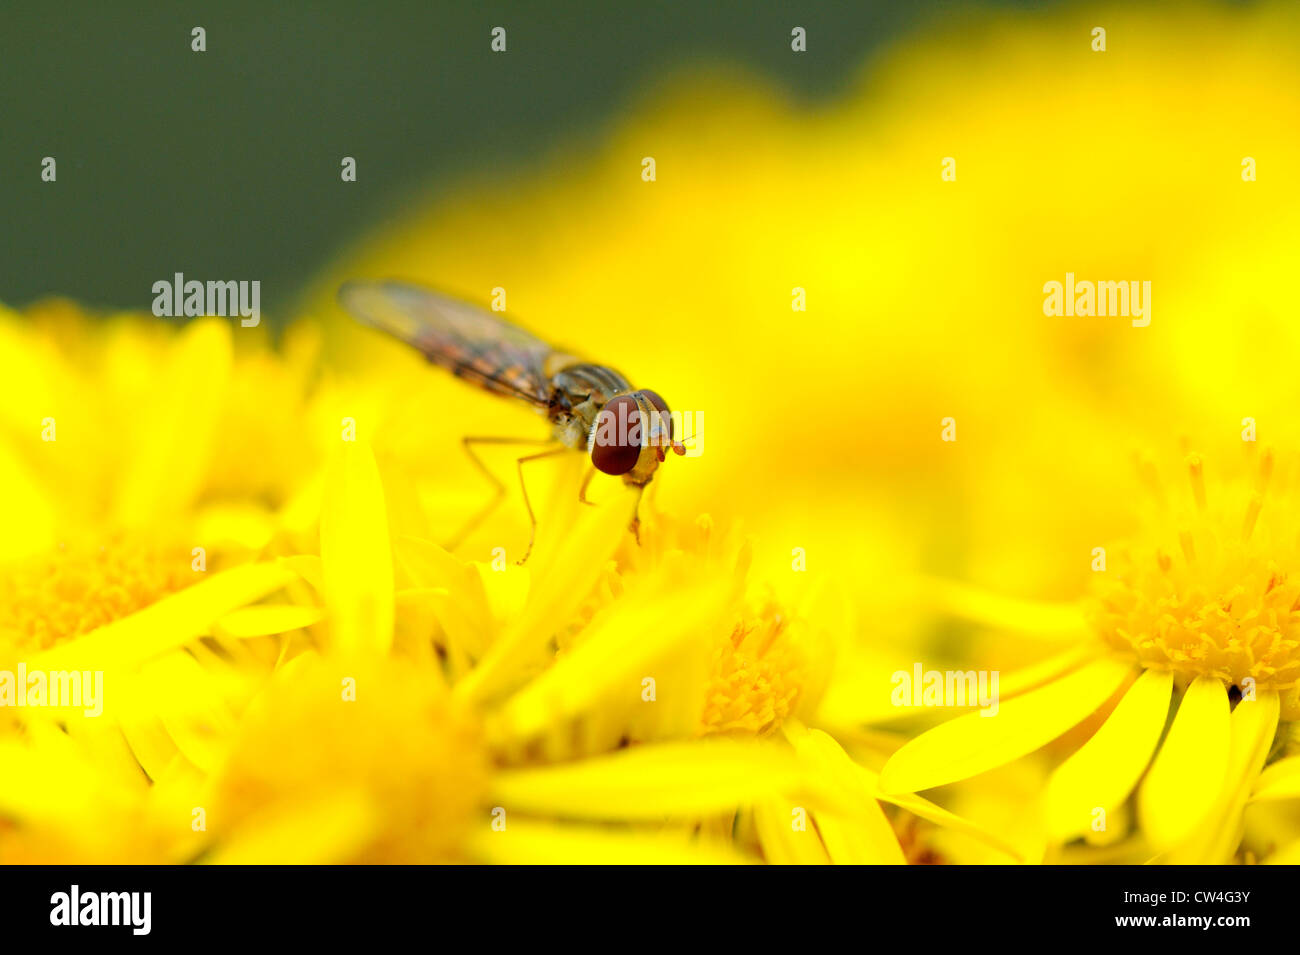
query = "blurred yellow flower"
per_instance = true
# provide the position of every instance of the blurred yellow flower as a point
(227, 687)
(242, 538)
(126, 540)
(924, 297)
(466, 772)
(620, 658)
(1201, 604)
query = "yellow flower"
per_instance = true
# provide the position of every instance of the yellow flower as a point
(78, 587)
(417, 759)
(748, 661)
(579, 721)
(124, 427)
(224, 685)
(695, 695)
(75, 795)
(1201, 606)
(366, 762)
(128, 539)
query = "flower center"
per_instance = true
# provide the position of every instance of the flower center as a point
(756, 676)
(1215, 592)
(81, 586)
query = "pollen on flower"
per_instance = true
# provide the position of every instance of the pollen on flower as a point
(756, 677)
(1214, 592)
(80, 586)
(758, 672)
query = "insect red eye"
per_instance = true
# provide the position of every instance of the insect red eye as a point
(616, 439)
(665, 416)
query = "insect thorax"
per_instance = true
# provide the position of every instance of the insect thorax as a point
(578, 394)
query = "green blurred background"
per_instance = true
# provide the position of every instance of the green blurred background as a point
(225, 164)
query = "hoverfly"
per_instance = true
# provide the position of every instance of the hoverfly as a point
(592, 408)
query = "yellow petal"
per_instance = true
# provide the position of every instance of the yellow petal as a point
(45, 775)
(527, 842)
(308, 567)
(1103, 772)
(922, 807)
(1214, 842)
(321, 830)
(462, 606)
(151, 744)
(188, 700)
(1053, 621)
(1187, 775)
(266, 620)
(857, 832)
(786, 834)
(624, 646)
(863, 838)
(650, 782)
(245, 526)
(356, 559)
(172, 622)
(26, 508)
(1279, 781)
(974, 743)
(1034, 675)
(569, 560)
(165, 471)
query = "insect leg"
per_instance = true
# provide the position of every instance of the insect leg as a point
(635, 526)
(532, 519)
(499, 488)
(582, 491)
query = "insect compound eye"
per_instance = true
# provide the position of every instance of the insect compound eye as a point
(665, 435)
(616, 438)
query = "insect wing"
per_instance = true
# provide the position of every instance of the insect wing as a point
(468, 341)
